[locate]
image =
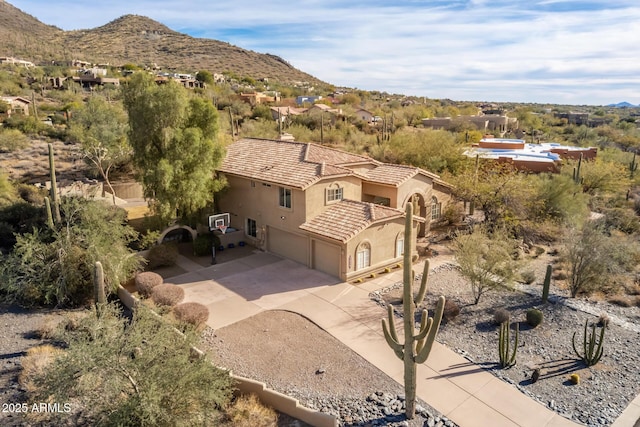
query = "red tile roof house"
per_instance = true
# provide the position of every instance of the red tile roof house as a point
(330, 210)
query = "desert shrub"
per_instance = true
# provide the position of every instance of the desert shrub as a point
(167, 294)
(35, 362)
(537, 251)
(110, 369)
(202, 245)
(148, 239)
(164, 255)
(451, 310)
(452, 213)
(528, 276)
(501, 315)
(146, 281)
(48, 327)
(192, 313)
(31, 194)
(534, 317)
(12, 140)
(248, 411)
(620, 300)
(55, 266)
(603, 320)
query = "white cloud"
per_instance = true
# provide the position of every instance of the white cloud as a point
(543, 51)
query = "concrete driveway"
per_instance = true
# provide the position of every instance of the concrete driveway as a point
(238, 289)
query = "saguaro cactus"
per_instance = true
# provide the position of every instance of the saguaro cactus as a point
(54, 186)
(98, 286)
(416, 346)
(546, 284)
(591, 345)
(507, 357)
(633, 166)
(576, 172)
(47, 205)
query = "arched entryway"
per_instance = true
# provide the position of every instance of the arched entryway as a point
(178, 233)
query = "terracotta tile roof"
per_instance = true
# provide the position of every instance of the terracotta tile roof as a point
(345, 219)
(279, 162)
(299, 164)
(319, 154)
(390, 174)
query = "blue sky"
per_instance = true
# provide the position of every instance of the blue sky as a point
(543, 51)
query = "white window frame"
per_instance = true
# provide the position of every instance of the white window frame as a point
(363, 256)
(436, 209)
(334, 194)
(400, 246)
(252, 231)
(283, 201)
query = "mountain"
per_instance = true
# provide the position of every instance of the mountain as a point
(623, 105)
(138, 40)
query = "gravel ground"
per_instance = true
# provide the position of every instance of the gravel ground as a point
(17, 334)
(604, 390)
(294, 356)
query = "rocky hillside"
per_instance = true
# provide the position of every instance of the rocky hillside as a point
(138, 40)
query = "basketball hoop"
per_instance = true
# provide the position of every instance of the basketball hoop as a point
(222, 228)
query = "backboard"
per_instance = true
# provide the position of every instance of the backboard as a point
(219, 220)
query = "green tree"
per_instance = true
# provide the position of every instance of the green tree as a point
(486, 260)
(101, 130)
(175, 146)
(205, 77)
(137, 373)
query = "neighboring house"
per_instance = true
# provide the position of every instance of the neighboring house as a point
(325, 109)
(259, 98)
(365, 115)
(17, 105)
(16, 61)
(301, 100)
(281, 113)
(545, 157)
(483, 122)
(89, 81)
(333, 211)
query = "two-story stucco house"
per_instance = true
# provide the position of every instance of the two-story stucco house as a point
(334, 211)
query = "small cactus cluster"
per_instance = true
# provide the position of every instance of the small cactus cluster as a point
(507, 355)
(592, 345)
(534, 317)
(574, 379)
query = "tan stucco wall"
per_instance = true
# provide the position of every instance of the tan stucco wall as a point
(260, 203)
(316, 200)
(370, 189)
(382, 239)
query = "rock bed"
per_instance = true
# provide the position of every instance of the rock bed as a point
(605, 388)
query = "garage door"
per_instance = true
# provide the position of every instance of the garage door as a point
(326, 257)
(288, 245)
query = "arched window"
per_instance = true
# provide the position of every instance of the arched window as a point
(363, 256)
(436, 209)
(400, 245)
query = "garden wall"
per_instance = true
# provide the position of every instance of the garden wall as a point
(278, 401)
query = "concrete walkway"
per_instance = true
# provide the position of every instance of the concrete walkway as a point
(465, 393)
